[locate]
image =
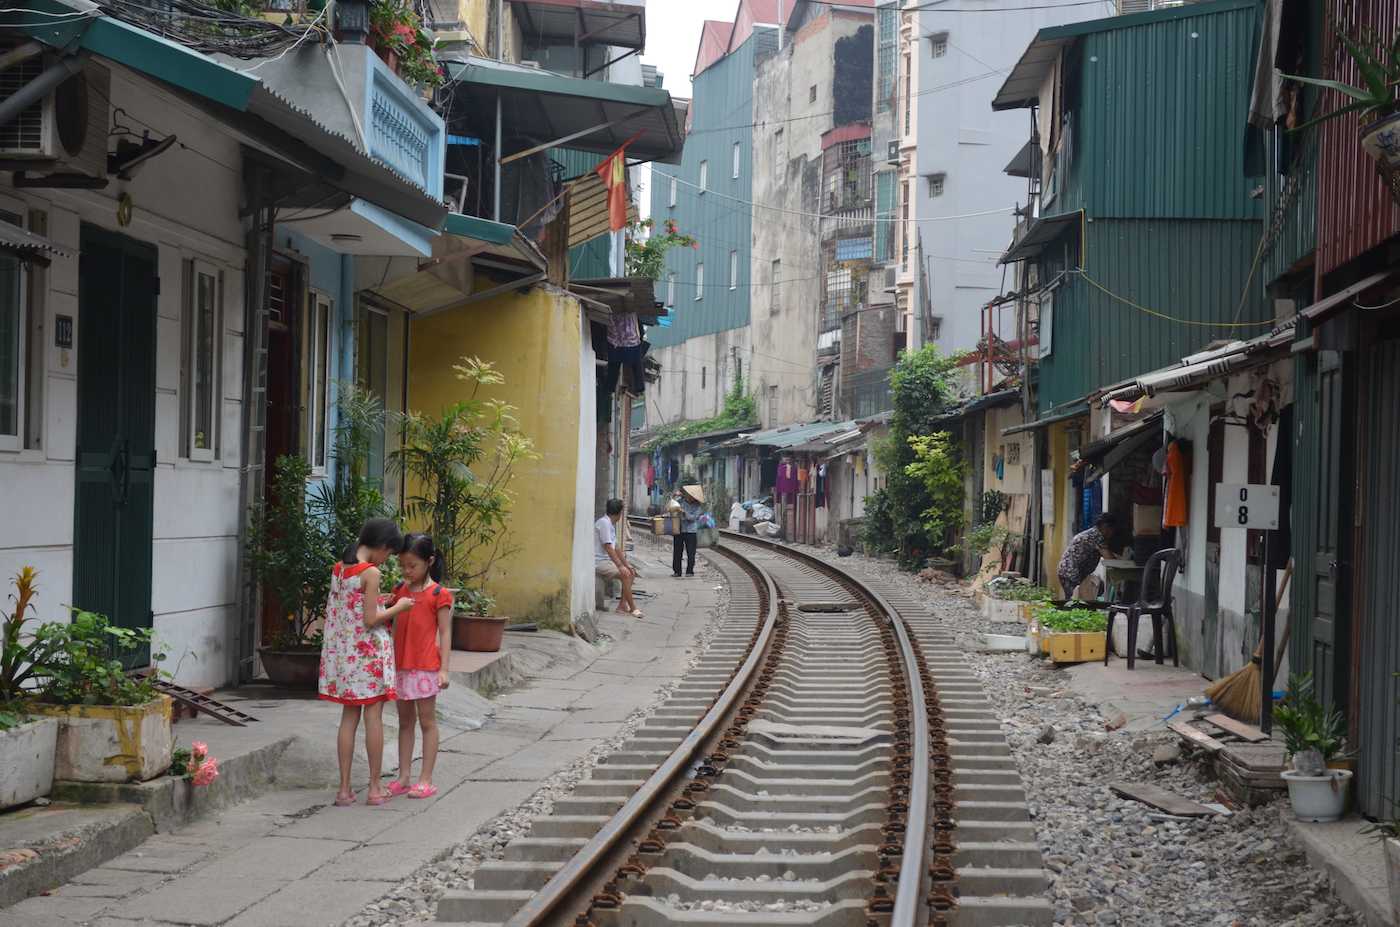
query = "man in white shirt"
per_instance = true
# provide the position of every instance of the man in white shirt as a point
(609, 562)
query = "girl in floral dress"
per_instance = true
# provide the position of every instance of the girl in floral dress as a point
(357, 654)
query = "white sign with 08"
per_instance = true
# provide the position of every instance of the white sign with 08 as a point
(1246, 505)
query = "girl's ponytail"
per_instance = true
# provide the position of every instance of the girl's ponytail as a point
(420, 545)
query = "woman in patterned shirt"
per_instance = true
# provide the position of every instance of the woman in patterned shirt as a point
(1082, 555)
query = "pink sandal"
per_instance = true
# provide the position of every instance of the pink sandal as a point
(396, 788)
(422, 791)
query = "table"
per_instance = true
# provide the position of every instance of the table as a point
(1119, 574)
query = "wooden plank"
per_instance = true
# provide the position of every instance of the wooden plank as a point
(1238, 728)
(1196, 736)
(1158, 797)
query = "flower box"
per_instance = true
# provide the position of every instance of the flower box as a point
(26, 761)
(1075, 646)
(111, 743)
(1002, 610)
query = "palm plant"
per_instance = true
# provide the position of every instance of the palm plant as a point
(16, 659)
(459, 468)
(1378, 63)
(344, 503)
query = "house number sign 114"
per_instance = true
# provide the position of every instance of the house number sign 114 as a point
(1246, 505)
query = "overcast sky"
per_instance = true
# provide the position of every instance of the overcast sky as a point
(673, 37)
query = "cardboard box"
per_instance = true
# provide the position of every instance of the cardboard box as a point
(1147, 519)
(1076, 647)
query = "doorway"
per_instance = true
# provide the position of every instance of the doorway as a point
(113, 526)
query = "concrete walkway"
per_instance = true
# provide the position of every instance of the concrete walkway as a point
(288, 858)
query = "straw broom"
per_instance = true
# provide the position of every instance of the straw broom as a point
(1237, 695)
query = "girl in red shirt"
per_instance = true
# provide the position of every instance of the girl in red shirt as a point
(422, 648)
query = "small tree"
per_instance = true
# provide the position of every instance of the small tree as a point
(646, 249)
(343, 504)
(940, 467)
(460, 467)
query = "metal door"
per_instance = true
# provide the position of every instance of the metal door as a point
(116, 456)
(1211, 664)
(1378, 720)
(1331, 548)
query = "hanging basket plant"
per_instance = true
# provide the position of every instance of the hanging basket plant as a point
(403, 44)
(1377, 100)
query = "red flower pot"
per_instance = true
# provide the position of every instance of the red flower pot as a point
(473, 632)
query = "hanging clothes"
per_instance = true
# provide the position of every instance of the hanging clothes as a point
(801, 475)
(768, 473)
(821, 486)
(1281, 546)
(1176, 473)
(623, 331)
(673, 470)
(786, 484)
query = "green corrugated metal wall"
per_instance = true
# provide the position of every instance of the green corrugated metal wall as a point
(721, 114)
(1302, 601)
(1161, 117)
(1191, 269)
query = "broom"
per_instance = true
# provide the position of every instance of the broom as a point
(1237, 695)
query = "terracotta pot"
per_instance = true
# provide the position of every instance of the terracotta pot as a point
(473, 632)
(292, 669)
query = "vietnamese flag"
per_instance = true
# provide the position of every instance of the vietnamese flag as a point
(613, 170)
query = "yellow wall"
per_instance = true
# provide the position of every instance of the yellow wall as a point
(534, 340)
(1056, 538)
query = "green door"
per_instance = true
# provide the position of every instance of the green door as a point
(1331, 559)
(116, 455)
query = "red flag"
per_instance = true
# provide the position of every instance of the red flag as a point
(613, 170)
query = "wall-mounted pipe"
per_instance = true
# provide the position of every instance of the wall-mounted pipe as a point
(25, 96)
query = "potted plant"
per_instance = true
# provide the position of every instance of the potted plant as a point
(1313, 736)
(113, 726)
(27, 743)
(403, 44)
(459, 468)
(473, 626)
(291, 555)
(1072, 635)
(1378, 64)
(296, 536)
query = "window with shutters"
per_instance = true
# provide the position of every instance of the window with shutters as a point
(700, 281)
(908, 91)
(12, 351)
(904, 225)
(935, 184)
(203, 296)
(939, 44)
(734, 270)
(738, 149)
(812, 94)
(704, 174)
(777, 286)
(703, 372)
(673, 192)
(887, 45)
(318, 348)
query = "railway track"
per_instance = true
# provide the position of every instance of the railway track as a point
(830, 761)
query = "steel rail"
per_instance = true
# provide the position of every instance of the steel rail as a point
(907, 903)
(543, 903)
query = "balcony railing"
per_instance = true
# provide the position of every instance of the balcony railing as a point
(873, 393)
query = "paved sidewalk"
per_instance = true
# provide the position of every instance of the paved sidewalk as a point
(1145, 695)
(289, 858)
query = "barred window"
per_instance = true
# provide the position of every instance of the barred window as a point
(887, 42)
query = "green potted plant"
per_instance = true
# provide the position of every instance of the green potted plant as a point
(290, 554)
(403, 44)
(1312, 736)
(1378, 64)
(1071, 634)
(113, 726)
(459, 468)
(296, 536)
(26, 742)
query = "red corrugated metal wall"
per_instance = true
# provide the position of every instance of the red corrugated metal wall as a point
(1354, 210)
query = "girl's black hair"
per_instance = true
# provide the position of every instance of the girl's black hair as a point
(420, 545)
(377, 532)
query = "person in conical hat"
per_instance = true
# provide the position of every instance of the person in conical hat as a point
(692, 502)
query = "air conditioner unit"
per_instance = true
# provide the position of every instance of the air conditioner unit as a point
(64, 132)
(891, 279)
(892, 156)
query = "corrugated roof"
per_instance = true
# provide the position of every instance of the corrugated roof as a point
(793, 435)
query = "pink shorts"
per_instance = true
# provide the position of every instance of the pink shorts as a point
(415, 684)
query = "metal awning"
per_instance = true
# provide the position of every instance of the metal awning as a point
(1045, 422)
(799, 434)
(562, 22)
(1325, 308)
(582, 115)
(468, 248)
(1098, 449)
(1042, 232)
(588, 210)
(622, 294)
(995, 400)
(1022, 86)
(1195, 368)
(25, 245)
(1027, 160)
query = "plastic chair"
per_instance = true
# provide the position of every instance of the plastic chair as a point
(1159, 606)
